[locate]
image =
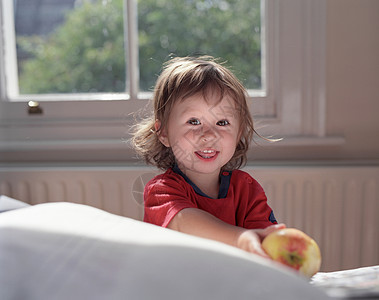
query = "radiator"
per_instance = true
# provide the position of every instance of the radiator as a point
(336, 205)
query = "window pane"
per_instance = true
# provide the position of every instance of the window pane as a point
(226, 29)
(70, 46)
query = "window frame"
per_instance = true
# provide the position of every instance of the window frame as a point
(295, 40)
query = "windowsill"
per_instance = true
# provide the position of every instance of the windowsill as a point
(105, 166)
(296, 141)
(119, 144)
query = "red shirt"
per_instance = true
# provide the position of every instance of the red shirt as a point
(242, 201)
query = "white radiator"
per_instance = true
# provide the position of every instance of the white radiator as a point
(337, 206)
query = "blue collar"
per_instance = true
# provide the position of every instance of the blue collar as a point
(225, 177)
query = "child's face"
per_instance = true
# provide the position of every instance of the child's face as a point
(202, 134)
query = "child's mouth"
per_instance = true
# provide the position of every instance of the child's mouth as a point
(207, 154)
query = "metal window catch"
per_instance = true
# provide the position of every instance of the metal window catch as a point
(34, 108)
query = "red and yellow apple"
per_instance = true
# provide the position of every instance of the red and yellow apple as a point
(295, 249)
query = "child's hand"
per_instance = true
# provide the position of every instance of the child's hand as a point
(251, 240)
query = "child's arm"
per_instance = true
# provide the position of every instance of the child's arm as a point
(200, 223)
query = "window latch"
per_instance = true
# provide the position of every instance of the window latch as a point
(34, 108)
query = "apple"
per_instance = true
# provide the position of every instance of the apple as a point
(295, 249)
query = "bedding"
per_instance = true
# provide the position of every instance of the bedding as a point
(360, 283)
(71, 251)
(7, 203)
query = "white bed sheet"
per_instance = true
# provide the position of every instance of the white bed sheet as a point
(70, 251)
(360, 283)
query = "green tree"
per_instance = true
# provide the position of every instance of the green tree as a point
(86, 53)
(229, 30)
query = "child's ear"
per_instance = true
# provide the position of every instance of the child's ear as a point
(161, 133)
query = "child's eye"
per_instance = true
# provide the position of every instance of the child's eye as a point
(193, 122)
(223, 123)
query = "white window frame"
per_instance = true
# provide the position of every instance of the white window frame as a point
(291, 103)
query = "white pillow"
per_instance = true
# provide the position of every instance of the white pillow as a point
(70, 251)
(7, 203)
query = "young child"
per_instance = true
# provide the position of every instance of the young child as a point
(199, 135)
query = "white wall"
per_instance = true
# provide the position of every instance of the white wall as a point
(353, 75)
(352, 86)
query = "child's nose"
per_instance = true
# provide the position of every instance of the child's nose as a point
(208, 133)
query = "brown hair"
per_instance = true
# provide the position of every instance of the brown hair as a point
(182, 78)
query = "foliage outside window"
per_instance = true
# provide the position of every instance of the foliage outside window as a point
(86, 52)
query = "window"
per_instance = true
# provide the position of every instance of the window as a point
(277, 51)
(75, 47)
